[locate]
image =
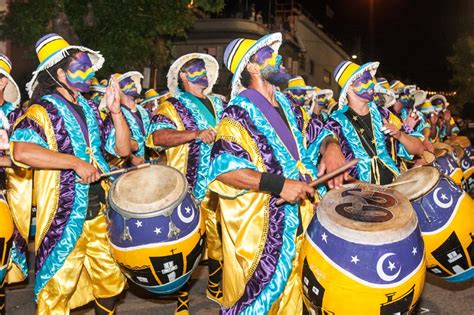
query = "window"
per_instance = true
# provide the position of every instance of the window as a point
(327, 77)
(211, 51)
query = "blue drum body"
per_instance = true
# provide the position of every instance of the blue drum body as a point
(156, 249)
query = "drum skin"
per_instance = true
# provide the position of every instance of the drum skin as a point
(446, 218)
(6, 237)
(369, 273)
(157, 250)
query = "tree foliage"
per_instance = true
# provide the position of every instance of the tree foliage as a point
(129, 33)
(462, 68)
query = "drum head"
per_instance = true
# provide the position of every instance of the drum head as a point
(442, 146)
(463, 141)
(368, 214)
(429, 157)
(426, 176)
(149, 190)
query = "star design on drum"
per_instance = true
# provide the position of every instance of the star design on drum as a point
(414, 251)
(391, 265)
(138, 223)
(157, 231)
(324, 237)
(355, 259)
(444, 197)
(188, 210)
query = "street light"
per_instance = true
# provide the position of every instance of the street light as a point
(354, 56)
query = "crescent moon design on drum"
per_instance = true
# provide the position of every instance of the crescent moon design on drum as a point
(381, 273)
(182, 217)
(439, 203)
(465, 164)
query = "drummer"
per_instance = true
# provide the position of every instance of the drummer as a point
(430, 112)
(446, 122)
(259, 155)
(408, 98)
(367, 131)
(16, 269)
(185, 125)
(60, 136)
(138, 119)
(153, 100)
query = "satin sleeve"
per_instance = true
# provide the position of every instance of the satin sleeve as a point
(166, 118)
(233, 150)
(30, 128)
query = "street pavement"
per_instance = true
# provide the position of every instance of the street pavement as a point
(439, 297)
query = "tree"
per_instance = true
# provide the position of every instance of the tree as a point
(462, 68)
(130, 34)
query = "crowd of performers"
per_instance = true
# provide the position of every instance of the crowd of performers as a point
(239, 155)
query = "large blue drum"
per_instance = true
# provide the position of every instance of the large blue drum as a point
(155, 228)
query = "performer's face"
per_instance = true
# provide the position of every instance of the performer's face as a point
(196, 73)
(79, 72)
(271, 68)
(407, 100)
(364, 86)
(300, 96)
(438, 104)
(129, 87)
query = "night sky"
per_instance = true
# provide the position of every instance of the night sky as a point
(411, 38)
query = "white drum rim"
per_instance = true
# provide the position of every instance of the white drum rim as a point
(166, 211)
(385, 236)
(418, 189)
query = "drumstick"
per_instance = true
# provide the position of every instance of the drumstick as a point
(327, 177)
(400, 183)
(122, 170)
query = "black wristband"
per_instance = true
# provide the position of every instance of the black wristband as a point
(272, 183)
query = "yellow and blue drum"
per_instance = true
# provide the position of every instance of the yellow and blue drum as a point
(6, 237)
(155, 228)
(467, 166)
(446, 217)
(445, 160)
(363, 254)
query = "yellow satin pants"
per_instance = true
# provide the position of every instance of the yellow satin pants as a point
(89, 272)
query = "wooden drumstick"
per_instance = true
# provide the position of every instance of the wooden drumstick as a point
(400, 183)
(327, 177)
(122, 170)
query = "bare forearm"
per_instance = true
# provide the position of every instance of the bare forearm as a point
(242, 179)
(39, 157)
(326, 142)
(123, 145)
(5, 161)
(427, 133)
(433, 132)
(412, 144)
(172, 138)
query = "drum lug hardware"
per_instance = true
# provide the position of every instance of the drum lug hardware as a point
(174, 231)
(126, 232)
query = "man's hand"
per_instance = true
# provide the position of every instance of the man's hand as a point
(333, 159)
(412, 120)
(112, 96)
(86, 171)
(447, 115)
(428, 145)
(207, 135)
(391, 129)
(136, 160)
(294, 191)
(4, 143)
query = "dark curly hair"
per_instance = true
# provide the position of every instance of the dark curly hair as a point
(45, 83)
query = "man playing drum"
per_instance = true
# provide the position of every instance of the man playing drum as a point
(16, 269)
(367, 131)
(259, 156)
(185, 125)
(62, 137)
